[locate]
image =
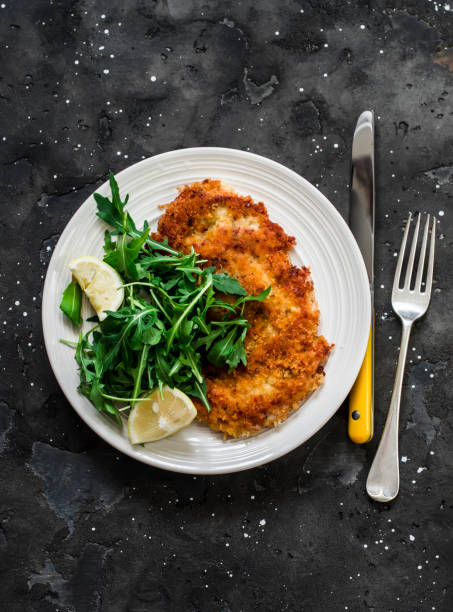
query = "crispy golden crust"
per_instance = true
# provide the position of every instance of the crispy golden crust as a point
(285, 356)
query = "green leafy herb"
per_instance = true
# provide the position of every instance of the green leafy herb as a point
(228, 284)
(71, 302)
(174, 320)
(112, 211)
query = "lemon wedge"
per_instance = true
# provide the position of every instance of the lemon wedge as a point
(100, 282)
(157, 416)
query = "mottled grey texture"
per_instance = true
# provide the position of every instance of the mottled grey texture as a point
(83, 529)
(6, 423)
(74, 482)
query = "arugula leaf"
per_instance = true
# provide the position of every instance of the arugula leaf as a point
(199, 390)
(109, 245)
(222, 348)
(112, 211)
(138, 372)
(237, 354)
(207, 340)
(162, 246)
(115, 341)
(228, 284)
(151, 336)
(254, 298)
(124, 257)
(71, 302)
(175, 327)
(191, 359)
(162, 368)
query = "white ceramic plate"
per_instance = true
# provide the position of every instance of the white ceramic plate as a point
(324, 243)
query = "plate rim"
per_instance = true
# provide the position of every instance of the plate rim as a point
(166, 464)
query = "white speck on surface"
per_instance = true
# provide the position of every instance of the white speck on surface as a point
(153, 78)
(301, 89)
(404, 459)
(277, 33)
(67, 101)
(325, 75)
(155, 407)
(262, 522)
(365, 546)
(421, 469)
(419, 567)
(335, 145)
(411, 538)
(362, 27)
(106, 71)
(107, 32)
(441, 213)
(16, 303)
(246, 535)
(25, 314)
(381, 51)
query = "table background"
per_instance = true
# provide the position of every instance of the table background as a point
(87, 87)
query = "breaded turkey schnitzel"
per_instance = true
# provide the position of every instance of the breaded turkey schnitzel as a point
(285, 355)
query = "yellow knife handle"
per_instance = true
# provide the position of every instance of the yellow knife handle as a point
(361, 397)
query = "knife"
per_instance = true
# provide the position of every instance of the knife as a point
(361, 222)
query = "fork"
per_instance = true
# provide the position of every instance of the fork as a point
(409, 304)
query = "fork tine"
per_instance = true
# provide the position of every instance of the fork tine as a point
(396, 280)
(421, 263)
(410, 263)
(429, 276)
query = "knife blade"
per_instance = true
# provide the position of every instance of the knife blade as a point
(361, 222)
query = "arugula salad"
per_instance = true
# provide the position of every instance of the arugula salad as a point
(174, 319)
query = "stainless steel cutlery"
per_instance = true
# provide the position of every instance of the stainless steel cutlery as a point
(410, 301)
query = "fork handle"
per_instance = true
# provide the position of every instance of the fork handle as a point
(383, 480)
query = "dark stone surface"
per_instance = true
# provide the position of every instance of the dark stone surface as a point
(83, 529)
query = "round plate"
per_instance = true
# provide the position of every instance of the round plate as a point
(324, 243)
